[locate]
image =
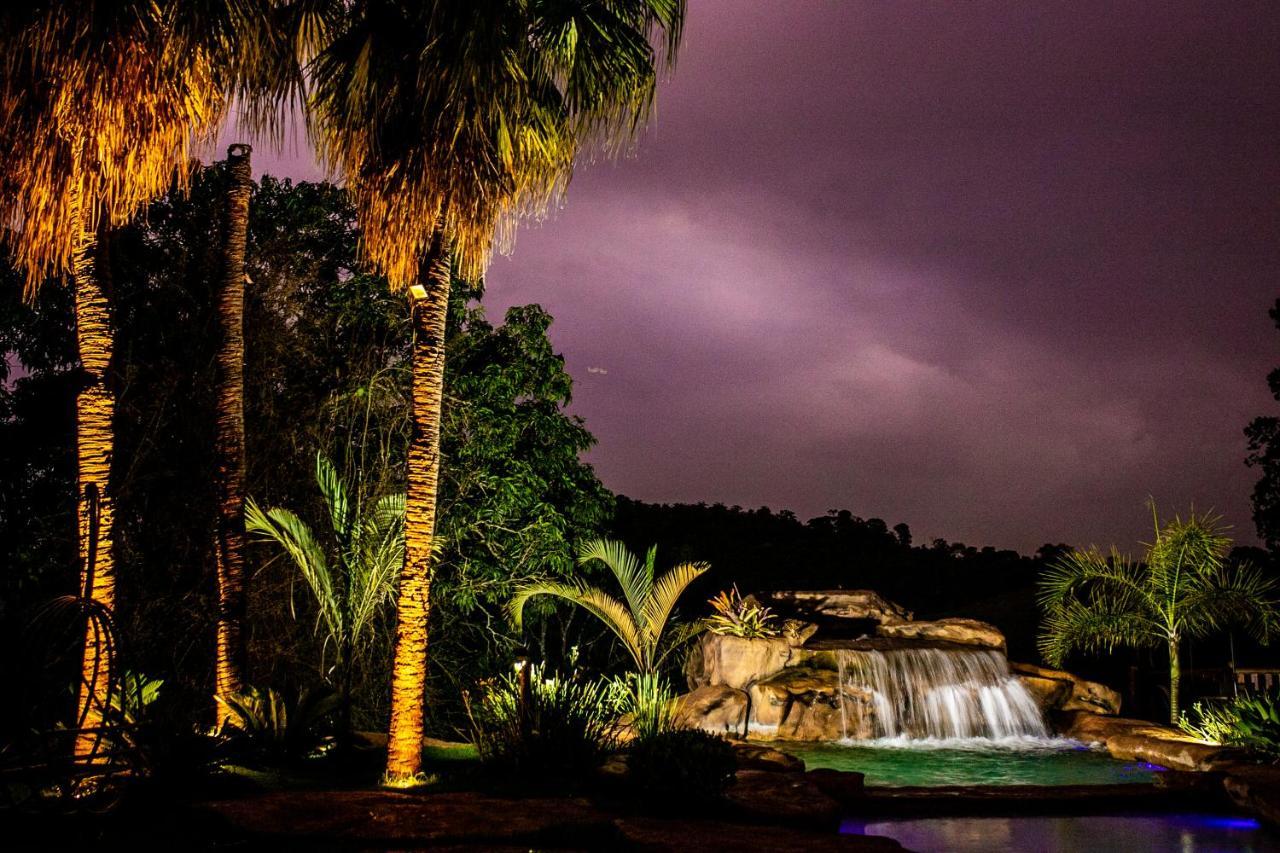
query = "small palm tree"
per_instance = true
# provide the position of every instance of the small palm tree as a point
(368, 543)
(1182, 589)
(640, 621)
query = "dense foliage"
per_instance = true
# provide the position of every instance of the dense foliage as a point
(1248, 720)
(542, 728)
(1263, 434)
(326, 354)
(686, 768)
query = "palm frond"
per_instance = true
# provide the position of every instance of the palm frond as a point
(295, 537)
(658, 606)
(634, 576)
(609, 610)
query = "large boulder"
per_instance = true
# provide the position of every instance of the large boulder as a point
(1057, 690)
(734, 661)
(713, 708)
(966, 632)
(1139, 740)
(836, 603)
(803, 703)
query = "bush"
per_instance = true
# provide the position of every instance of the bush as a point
(555, 730)
(264, 726)
(736, 616)
(645, 702)
(682, 767)
(1248, 720)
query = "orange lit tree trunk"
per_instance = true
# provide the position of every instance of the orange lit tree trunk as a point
(229, 442)
(409, 666)
(95, 439)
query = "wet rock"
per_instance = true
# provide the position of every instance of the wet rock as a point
(714, 708)
(966, 632)
(804, 703)
(782, 798)
(1255, 788)
(734, 661)
(836, 603)
(1072, 694)
(754, 756)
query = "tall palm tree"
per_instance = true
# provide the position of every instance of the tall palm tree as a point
(639, 619)
(229, 460)
(448, 122)
(354, 577)
(100, 104)
(1182, 589)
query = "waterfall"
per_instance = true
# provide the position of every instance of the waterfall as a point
(934, 693)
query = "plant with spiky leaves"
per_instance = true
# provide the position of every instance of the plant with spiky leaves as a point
(351, 580)
(639, 619)
(1182, 589)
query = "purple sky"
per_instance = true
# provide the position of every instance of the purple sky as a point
(998, 270)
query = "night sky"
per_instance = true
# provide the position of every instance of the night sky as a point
(997, 270)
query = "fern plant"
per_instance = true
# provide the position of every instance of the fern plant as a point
(277, 730)
(640, 619)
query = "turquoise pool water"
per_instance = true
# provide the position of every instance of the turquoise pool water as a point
(1142, 833)
(979, 761)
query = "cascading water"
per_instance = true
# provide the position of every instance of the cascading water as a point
(933, 693)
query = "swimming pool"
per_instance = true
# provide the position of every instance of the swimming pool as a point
(1141, 833)
(973, 761)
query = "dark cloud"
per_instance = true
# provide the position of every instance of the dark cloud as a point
(998, 270)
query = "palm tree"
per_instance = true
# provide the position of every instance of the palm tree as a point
(100, 105)
(352, 579)
(229, 439)
(448, 121)
(639, 619)
(1182, 589)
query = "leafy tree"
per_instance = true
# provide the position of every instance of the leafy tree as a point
(1182, 589)
(326, 347)
(1264, 454)
(639, 619)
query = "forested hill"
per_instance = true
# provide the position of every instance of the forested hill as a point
(762, 549)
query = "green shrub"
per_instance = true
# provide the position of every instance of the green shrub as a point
(556, 730)
(683, 767)
(736, 616)
(1248, 720)
(644, 701)
(266, 727)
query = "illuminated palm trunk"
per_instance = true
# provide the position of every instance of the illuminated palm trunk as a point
(229, 441)
(95, 411)
(409, 667)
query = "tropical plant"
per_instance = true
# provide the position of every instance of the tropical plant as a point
(640, 621)
(735, 616)
(1248, 720)
(543, 728)
(352, 580)
(275, 730)
(687, 768)
(446, 121)
(644, 701)
(1182, 589)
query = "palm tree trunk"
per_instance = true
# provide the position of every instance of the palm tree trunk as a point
(409, 666)
(1175, 676)
(95, 442)
(229, 440)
